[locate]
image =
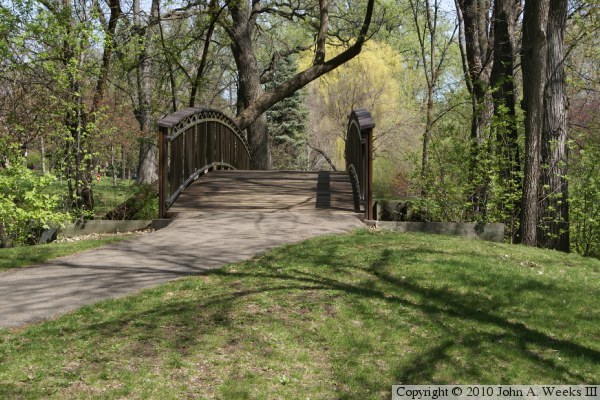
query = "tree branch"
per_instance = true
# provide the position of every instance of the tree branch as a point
(267, 74)
(325, 156)
(286, 89)
(109, 44)
(461, 45)
(204, 58)
(322, 35)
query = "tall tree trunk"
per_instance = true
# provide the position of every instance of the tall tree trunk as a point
(502, 82)
(78, 117)
(86, 194)
(249, 87)
(83, 167)
(534, 60)
(554, 206)
(196, 83)
(477, 51)
(110, 28)
(148, 166)
(478, 47)
(167, 53)
(148, 163)
(123, 163)
(112, 165)
(427, 137)
(43, 154)
(77, 169)
(427, 33)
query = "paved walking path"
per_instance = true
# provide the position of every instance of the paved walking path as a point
(196, 241)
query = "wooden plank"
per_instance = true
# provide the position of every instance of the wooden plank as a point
(189, 147)
(265, 190)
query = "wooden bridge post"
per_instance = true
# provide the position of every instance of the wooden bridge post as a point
(359, 159)
(369, 186)
(163, 143)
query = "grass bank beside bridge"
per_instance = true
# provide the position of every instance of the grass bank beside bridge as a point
(341, 316)
(23, 256)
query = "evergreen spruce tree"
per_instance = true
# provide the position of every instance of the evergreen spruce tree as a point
(286, 121)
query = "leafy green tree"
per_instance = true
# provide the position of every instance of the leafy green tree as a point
(378, 80)
(434, 45)
(61, 52)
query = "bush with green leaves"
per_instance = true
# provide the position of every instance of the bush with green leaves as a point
(25, 207)
(148, 202)
(462, 186)
(445, 185)
(390, 177)
(584, 193)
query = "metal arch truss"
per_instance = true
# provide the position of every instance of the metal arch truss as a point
(208, 115)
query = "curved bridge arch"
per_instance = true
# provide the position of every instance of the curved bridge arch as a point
(194, 141)
(359, 159)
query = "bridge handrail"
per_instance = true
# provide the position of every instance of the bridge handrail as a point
(359, 159)
(194, 141)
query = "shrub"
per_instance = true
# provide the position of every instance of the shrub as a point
(584, 192)
(25, 209)
(390, 178)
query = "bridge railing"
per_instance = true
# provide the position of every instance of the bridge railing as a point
(194, 141)
(359, 159)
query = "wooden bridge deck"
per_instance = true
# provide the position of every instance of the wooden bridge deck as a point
(266, 191)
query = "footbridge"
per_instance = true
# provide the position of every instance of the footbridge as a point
(226, 214)
(204, 167)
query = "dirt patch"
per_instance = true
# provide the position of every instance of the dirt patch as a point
(98, 236)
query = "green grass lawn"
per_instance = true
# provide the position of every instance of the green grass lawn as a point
(340, 317)
(16, 257)
(106, 196)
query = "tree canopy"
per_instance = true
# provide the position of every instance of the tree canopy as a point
(485, 111)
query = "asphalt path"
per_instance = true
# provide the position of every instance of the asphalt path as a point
(193, 243)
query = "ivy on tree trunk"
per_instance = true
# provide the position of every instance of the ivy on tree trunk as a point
(534, 60)
(554, 205)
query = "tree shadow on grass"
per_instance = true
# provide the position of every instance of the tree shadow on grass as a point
(436, 303)
(325, 270)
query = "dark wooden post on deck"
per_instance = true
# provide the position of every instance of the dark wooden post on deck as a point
(163, 162)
